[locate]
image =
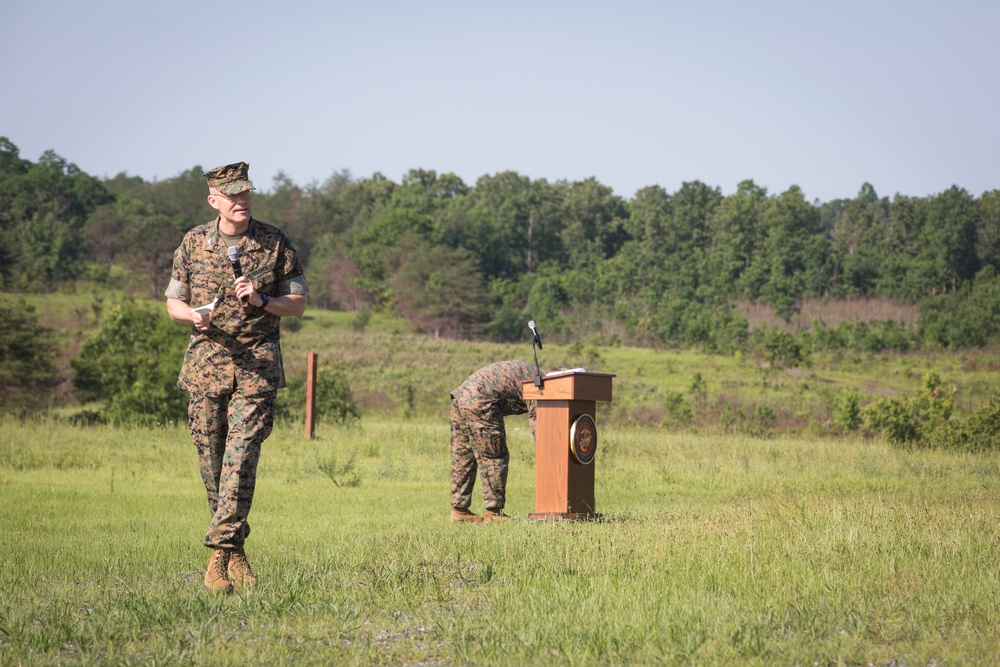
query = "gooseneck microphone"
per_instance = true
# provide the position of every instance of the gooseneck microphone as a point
(234, 259)
(536, 340)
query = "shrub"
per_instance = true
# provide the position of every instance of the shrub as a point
(982, 430)
(847, 413)
(918, 420)
(782, 350)
(345, 474)
(893, 419)
(131, 363)
(334, 403)
(361, 319)
(756, 423)
(678, 411)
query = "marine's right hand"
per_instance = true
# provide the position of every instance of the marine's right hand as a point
(202, 320)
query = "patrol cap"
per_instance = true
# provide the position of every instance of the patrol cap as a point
(231, 179)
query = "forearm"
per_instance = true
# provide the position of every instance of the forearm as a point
(289, 305)
(179, 311)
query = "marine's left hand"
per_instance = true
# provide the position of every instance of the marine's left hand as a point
(245, 290)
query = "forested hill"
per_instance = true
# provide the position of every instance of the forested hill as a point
(477, 260)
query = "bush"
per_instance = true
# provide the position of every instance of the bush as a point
(131, 363)
(334, 403)
(982, 430)
(894, 420)
(756, 423)
(847, 413)
(918, 420)
(967, 318)
(783, 350)
(678, 411)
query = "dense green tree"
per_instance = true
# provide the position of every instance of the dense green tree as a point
(12, 171)
(988, 230)
(499, 225)
(738, 236)
(508, 319)
(796, 250)
(689, 235)
(948, 240)
(410, 211)
(969, 317)
(128, 233)
(593, 223)
(44, 207)
(859, 243)
(27, 351)
(49, 252)
(437, 288)
(901, 276)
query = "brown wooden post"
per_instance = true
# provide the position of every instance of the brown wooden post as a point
(310, 394)
(564, 487)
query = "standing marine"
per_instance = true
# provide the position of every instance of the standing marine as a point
(478, 437)
(233, 368)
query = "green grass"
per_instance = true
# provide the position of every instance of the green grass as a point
(714, 550)
(386, 365)
(395, 372)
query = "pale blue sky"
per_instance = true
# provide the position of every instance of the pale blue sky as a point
(826, 96)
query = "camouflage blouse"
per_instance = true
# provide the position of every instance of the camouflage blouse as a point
(496, 390)
(242, 346)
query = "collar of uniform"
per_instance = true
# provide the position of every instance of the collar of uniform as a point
(214, 236)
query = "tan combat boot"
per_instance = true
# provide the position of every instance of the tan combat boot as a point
(215, 577)
(465, 515)
(495, 515)
(239, 570)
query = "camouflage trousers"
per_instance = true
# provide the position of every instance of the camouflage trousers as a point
(478, 443)
(228, 431)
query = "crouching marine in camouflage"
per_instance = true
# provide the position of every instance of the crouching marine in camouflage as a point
(478, 437)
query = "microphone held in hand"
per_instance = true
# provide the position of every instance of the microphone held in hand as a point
(234, 259)
(538, 339)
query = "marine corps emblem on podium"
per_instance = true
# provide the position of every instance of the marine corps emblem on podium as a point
(583, 439)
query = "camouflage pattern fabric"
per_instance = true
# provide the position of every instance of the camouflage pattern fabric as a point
(230, 179)
(242, 346)
(228, 432)
(478, 436)
(233, 370)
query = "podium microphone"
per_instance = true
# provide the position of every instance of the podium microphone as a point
(234, 259)
(536, 340)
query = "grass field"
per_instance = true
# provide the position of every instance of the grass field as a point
(714, 550)
(394, 372)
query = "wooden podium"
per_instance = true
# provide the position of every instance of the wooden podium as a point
(564, 487)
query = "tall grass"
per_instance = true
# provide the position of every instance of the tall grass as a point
(831, 312)
(713, 550)
(395, 373)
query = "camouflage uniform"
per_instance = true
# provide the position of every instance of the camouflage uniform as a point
(478, 438)
(233, 370)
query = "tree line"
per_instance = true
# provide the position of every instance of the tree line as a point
(479, 260)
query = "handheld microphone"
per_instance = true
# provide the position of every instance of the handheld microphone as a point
(234, 259)
(538, 339)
